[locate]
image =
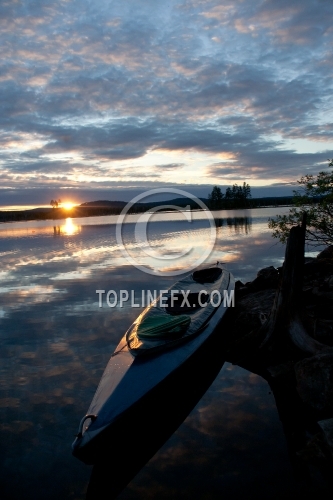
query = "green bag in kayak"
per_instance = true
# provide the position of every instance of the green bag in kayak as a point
(157, 327)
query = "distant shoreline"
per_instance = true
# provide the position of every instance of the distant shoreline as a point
(115, 208)
(53, 214)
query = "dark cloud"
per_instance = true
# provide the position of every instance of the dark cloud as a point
(260, 164)
(89, 87)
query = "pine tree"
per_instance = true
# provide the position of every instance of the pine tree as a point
(215, 198)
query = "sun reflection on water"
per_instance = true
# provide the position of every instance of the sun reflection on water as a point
(69, 227)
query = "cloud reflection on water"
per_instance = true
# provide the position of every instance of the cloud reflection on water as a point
(242, 242)
(56, 342)
(229, 446)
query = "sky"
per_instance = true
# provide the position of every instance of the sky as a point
(106, 99)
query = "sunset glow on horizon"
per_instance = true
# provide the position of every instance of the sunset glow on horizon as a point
(68, 205)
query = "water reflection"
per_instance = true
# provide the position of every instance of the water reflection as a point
(223, 447)
(237, 225)
(69, 228)
(35, 229)
(36, 262)
(56, 341)
(77, 253)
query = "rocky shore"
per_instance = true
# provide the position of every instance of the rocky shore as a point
(298, 362)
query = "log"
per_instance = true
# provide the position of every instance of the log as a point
(302, 340)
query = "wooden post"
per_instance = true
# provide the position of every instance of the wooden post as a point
(284, 328)
(283, 335)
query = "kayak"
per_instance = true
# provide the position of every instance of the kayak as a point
(163, 341)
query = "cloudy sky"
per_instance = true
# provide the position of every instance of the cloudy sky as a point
(102, 99)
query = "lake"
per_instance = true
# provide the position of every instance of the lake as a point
(56, 341)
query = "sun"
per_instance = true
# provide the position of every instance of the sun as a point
(68, 205)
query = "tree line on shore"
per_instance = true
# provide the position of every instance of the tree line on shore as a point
(237, 196)
(234, 197)
(314, 197)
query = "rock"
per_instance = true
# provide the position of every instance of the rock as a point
(268, 273)
(318, 268)
(314, 450)
(314, 377)
(257, 302)
(329, 282)
(323, 331)
(327, 297)
(327, 428)
(241, 289)
(239, 284)
(281, 369)
(251, 311)
(245, 322)
(326, 254)
(266, 278)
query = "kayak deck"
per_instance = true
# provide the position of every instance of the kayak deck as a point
(130, 383)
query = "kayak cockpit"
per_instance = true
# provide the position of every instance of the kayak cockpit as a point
(182, 314)
(209, 275)
(162, 326)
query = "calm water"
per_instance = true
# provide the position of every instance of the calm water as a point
(56, 341)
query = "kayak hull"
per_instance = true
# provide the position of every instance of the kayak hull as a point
(139, 398)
